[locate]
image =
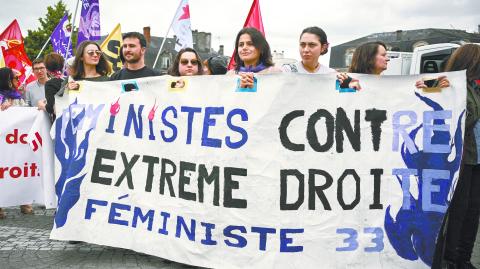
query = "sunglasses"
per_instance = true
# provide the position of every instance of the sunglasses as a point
(16, 78)
(93, 52)
(185, 61)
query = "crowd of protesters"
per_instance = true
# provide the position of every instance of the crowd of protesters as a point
(253, 56)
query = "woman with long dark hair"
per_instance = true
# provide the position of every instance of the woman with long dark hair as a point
(370, 58)
(89, 64)
(9, 96)
(252, 56)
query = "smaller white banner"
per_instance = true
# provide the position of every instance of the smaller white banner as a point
(26, 158)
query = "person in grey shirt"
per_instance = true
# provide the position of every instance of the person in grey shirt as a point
(35, 92)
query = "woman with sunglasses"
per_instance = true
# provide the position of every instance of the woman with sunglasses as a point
(89, 64)
(187, 63)
(252, 56)
(9, 96)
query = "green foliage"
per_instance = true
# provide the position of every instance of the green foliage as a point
(35, 39)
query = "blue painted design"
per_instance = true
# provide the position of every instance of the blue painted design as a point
(123, 197)
(413, 231)
(70, 150)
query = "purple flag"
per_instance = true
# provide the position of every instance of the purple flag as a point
(60, 37)
(89, 28)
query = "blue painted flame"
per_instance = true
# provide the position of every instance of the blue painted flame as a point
(413, 232)
(71, 150)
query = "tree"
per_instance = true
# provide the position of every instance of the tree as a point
(35, 39)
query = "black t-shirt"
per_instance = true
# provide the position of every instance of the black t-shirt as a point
(132, 74)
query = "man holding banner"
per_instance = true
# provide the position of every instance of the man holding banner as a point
(133, 49)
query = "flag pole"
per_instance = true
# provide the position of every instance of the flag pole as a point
(43, 48)
(165, 37)
(72, 24)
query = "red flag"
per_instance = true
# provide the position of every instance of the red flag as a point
(15, 57)
(254, 20)
(12, 33)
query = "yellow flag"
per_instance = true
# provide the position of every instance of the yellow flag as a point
(111, 48)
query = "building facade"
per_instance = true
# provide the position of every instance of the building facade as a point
(201, 43)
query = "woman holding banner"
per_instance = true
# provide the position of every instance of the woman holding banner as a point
(463, 215)
(252, 56)
(371, 58)
(9, 80)
(11, 97)
(186, 63)
(89, 64)
(313, 43)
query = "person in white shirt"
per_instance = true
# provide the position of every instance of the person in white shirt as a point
(313, 43)
(35, 93)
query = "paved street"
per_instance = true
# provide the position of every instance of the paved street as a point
(24, 243)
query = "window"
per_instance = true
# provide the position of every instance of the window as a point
(348, 56)
(165, 61)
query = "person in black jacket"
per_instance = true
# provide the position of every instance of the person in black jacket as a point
(54, 64)
(462, 218)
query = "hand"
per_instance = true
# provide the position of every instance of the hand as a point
(6, 104)
(246, 80)
(41, 104)
(443, 82)
(73, 85)
(355, 84)
(341, 77)
(420, 84)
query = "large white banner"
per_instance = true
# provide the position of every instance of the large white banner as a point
(294, 173)
(26, 158)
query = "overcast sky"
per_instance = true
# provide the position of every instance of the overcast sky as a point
(342, 20)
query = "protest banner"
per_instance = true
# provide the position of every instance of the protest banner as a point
(294, 173)
(26, 162)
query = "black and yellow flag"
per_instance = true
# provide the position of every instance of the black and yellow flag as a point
(111, 48)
